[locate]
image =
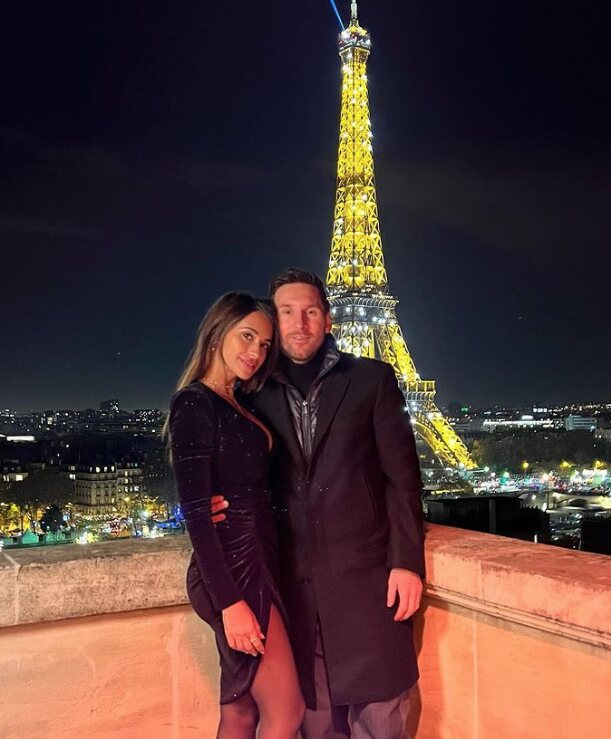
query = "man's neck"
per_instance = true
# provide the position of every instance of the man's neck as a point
(303, 374)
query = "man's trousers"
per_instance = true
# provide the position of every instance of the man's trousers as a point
(383, 720)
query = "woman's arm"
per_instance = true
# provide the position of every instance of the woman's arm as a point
(192, 433)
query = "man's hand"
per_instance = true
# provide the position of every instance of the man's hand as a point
(217, 506)
(407, 585)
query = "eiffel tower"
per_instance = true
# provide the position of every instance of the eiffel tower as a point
(362, 309)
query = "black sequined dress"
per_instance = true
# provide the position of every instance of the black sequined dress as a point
(218, 451)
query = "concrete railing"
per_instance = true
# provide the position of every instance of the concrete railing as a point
(514, 641)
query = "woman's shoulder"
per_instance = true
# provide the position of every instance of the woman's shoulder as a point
(195, 397)
(193, 414)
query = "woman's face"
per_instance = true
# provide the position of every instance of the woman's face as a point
(245, 346)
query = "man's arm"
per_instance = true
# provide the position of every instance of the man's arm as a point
(217, 505)
(396, 448)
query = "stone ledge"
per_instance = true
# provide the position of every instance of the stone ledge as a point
(547, 588)
(47, 584)
(557, 590)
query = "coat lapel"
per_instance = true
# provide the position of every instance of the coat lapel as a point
(332, 393)
(279, 416)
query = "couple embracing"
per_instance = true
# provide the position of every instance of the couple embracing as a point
(310, 568)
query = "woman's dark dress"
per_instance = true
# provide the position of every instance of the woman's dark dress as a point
(218, 451)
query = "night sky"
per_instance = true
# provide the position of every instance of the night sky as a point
(155, 155)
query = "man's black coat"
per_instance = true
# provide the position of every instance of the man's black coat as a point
(344, 520)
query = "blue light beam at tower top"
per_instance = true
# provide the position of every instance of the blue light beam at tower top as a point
(337, 15)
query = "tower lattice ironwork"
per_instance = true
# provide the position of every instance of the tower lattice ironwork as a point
(363, 311)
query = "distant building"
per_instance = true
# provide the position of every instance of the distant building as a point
(95, 489)
(147, 414)
(129, 479)
(65, 420)
(468, 427)
(495, 514)
(457, 409)
(112, 406)
(580, 423)
(12, 472)
(48, 419)
(99, 488)
(525, 422)
(17, 438)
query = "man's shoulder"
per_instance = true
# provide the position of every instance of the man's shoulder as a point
(362, 367)
(363, 370)
(264, 397)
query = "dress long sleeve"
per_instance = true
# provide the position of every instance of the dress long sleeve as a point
(192, 435)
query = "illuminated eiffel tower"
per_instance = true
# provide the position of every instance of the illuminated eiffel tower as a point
(363, 311)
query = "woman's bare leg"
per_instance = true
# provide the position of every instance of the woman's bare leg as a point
(239, 719)
(275, 688)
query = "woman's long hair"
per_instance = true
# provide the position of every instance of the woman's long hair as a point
(228, 310)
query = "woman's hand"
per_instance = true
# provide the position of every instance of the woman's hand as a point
(242, 629)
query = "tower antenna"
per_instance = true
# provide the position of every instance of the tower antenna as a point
(354, 11)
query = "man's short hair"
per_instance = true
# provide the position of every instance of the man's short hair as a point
(294, 274)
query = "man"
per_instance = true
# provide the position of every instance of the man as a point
(347, 493)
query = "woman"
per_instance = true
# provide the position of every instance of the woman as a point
(218, 447)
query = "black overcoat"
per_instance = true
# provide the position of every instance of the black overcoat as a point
(344, 519)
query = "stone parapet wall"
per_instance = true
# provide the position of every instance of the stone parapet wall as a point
(69, 581)
(559, 591)
(514, 641)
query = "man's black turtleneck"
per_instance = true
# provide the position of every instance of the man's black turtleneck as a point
(303, 375)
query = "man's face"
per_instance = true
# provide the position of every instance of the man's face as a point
(302, 320)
